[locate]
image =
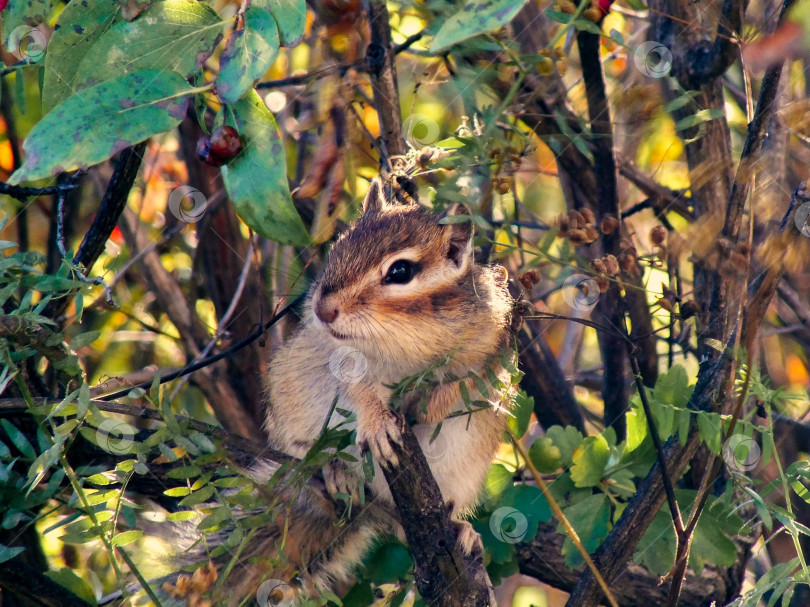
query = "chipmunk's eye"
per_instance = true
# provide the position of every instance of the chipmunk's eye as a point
(401, 272)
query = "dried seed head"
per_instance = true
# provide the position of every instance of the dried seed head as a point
(665, 304)
(590, 233)
(658, 235)
(577, 236)
(529, 279)
(565, 224)
(577, 219)
(628, 263)
(588, 215)
(611, 265)
(604, 283)
(689, 309)
(608, 224)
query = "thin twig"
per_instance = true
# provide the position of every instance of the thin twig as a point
(216, 357)
(569, 529)
(226, 317)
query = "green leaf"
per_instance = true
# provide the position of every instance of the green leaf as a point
(589, 518)
(522, 412)
(390, 563)
(498, 550)
(84, 339)
(498, 479)
(248, 54)
(290, 16)
(182, 515)
(711, 543)
(531, 502)
(566, 440)
(67, 578)
(198, 497)
(699, 117)
(127, 537)
(170, 35)
(215, 518)
(9, 552)
(102, 120)
(545, 455)
(184, 472)
(256, 179)
(477, 17)
(711, 431)
(19, 440)
(78, 28)
(18, 20)
(590, 460)
(673, 387)
(177, 491)
(102, 479)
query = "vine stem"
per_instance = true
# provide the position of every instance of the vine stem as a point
(569, 529)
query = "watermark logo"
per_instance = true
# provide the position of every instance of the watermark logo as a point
(653, 59)
(115, 436)
(508, 525)
(742, 453)
(438, 447)
(421, 130)
(275, 593)
(349, 365)
(27, 43)
(580, 292)
(801, 219)
(191, 197)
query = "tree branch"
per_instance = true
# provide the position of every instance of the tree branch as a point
(614, 392)
(380, 60)
(444, 575)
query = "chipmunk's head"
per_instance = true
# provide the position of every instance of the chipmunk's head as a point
(396, 270)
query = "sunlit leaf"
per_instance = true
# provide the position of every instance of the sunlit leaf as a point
(247, 55)
(476, 17)
(256, 179)
(102, 120)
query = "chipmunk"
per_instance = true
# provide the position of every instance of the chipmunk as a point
(400, 292)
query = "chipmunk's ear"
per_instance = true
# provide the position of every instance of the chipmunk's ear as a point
(376, 199)
(459, 232)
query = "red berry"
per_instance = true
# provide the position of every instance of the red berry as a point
(225, 143)
(3, 4)
(604, 6)
(205, 154)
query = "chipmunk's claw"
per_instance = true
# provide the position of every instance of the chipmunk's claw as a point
(468, 539)
(379, 438)
(342, 477)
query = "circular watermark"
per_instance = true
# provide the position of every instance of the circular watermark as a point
(436, 448)
(27, 43)
(801, 219)
(653, 59)
(115, 436)
(508, 525)
(196, 198)
(580, 292)
(348, 364)
(741, 452)
(275, 593)
(421, 130)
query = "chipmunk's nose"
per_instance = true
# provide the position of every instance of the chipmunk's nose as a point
(325, 311)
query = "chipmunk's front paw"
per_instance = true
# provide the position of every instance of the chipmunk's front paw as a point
(377, 434)
(468, 539)
(343, 478)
